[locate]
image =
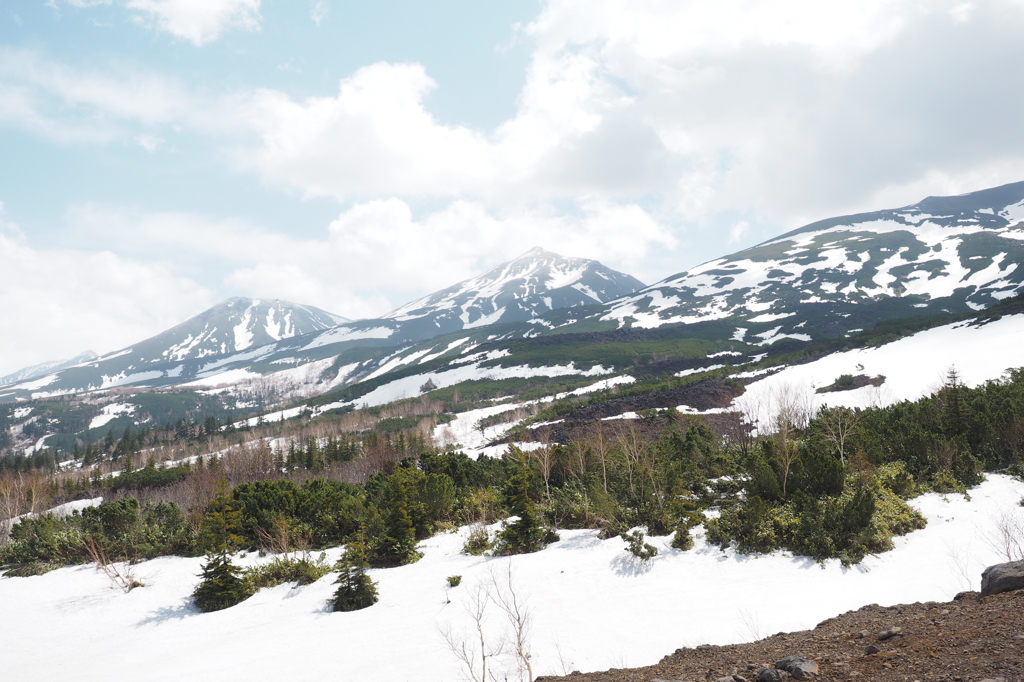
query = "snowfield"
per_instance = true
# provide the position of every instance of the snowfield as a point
(593, 606)
(913, 367)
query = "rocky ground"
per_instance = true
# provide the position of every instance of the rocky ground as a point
(972, 638)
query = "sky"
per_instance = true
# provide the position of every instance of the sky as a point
(159, 156)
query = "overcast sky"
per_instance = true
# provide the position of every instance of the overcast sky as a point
(157, 156)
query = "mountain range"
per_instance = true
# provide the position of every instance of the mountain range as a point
(242, 339)
(543, 316)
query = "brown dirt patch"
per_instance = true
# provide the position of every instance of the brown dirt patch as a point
(968, 639)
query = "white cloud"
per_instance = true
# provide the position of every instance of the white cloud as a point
(150, 143)
(780, 108)
(738, 232)
(319, 12)
(376, 255)
(57, 303)
(199, 21)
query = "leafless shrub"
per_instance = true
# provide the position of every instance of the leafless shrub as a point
(1006, 538)
(475, 651)
(492, 653)
(752, 625)
(121, 575)
(959, 561)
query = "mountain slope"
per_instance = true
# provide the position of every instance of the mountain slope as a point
(535, 283)
(944, 254)
(242, 339)
(234, 326)
(44, 368)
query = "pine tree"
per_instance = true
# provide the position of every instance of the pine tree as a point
(396, 544)
(222, 585)
(356, 590)
(527, 533)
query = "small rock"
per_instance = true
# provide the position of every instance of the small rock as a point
(799, 667)
(863, 633)
(769, 675)
(872, 649)
(888, 634)
(738, 678)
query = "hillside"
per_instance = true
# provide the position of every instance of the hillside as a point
(241, 340)
(967, 638)
(837, 276)
(593, 607)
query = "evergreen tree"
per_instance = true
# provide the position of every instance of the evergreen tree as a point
(222, 585)
(356, 590)
(396, 543)
(527, 533)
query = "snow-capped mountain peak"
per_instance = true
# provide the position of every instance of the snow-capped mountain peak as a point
(834, 276)
(524, 288)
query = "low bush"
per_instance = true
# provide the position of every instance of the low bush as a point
(636, 546)
(223, 585)
(478, 542)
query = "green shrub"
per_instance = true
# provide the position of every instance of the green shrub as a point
(478, 542)
(223, 585)
(527, 533)
(356, 590)
(681, 539)
(636, 546)
(303, 571)
(454, 580)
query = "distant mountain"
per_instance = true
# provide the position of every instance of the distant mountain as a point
(234, 326)
(835, 276)
(44, 368)
(535, 283)
(244, 338)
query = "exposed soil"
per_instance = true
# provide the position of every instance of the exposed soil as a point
(968, 639)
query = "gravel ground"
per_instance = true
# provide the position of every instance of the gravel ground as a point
(968, 639)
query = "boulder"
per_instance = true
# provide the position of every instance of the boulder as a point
(1002, 578)
(799, 667)
(769, 675)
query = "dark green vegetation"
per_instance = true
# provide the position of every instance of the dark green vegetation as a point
(833, 485)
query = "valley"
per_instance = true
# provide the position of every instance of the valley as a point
(821, 415)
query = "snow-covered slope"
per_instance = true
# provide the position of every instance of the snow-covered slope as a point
(44, 368)
(235, 327)
(242, 339)
(913, 367)
(535, 283)
(838, 275)
(593, 606)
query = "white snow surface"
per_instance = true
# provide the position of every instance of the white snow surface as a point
(592, 604)
(110, 413)
(913, 367)
(409, 387)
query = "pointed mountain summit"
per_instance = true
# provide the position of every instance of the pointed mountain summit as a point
(518, 291)
(235, 325)
(837, 276)
(229, 328)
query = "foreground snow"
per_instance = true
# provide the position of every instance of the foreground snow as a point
(594, 607)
